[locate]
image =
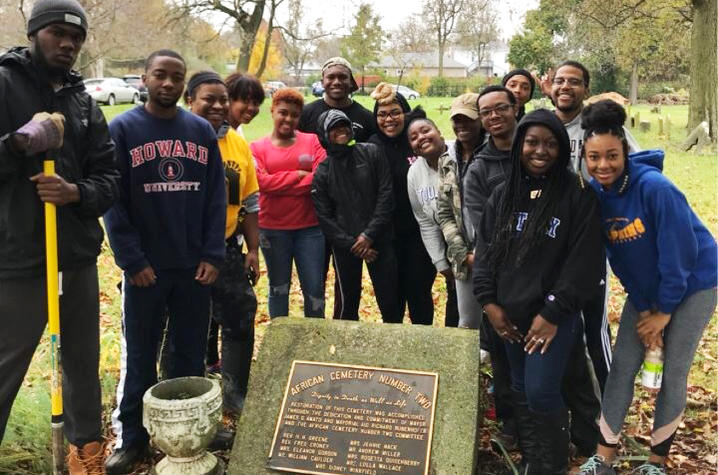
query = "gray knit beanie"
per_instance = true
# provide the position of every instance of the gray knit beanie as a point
(46, 12)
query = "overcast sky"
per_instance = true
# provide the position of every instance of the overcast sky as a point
(339, 13)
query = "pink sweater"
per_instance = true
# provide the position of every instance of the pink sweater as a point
(284, 197)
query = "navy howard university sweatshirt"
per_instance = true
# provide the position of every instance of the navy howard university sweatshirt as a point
(171, 211)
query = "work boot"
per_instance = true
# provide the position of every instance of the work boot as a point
(554, 436)
(86, 460)
(528, 435)
(124, 460)
(236, 361)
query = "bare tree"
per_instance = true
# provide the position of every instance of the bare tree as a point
(299, 41)
(325, 48)
(273, 5)
(441, 17)
(247, 15)
(478, 29)
(411, 36)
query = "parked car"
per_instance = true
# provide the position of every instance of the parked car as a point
(271, 86)
(317, 89)
(407, 92)
(111, 91)
(135, 80)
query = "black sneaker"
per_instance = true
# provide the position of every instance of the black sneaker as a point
(124, 460)
(223, 440)
(596, 465)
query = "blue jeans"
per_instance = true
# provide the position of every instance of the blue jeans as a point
(306, 248)
(539, 375)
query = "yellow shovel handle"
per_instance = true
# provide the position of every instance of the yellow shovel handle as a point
(53, 297)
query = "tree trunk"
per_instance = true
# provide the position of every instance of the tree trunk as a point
(249, 33)
(441, 58)
(633, 94)
(704, 66)
(268, 39)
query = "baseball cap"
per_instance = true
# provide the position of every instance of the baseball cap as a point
(339, 61)
(465, 104)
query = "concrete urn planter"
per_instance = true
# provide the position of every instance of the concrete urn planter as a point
(181, 416)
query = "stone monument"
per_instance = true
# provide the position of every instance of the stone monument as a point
(340, 397)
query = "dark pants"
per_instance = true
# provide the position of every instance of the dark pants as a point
(187, 303)
(416, 274)
(452, 305)
(23, 315)
(598, 337)
(234, 306)
(383, 273)
(337, 310)
(234, 303)
(581, 397)
(577, 389)
(539, 376)
(500, 369)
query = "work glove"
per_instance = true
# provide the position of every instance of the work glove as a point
(44, 132)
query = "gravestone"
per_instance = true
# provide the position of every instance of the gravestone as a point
(313, 394)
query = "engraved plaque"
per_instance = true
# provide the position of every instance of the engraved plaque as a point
(349, 419)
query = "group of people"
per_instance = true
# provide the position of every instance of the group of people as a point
(519, 214)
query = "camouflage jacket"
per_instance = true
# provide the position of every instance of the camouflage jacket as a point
(459, 240)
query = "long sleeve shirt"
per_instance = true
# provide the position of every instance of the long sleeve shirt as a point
(172, 207)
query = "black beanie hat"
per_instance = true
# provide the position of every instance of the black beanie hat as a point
(47, 12)
(522, 72)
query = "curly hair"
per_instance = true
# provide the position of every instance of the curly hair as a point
(288, 95)
(244, 87)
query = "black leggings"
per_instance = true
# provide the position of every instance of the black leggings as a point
(416, 274)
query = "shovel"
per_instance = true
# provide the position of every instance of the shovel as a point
(53, 316)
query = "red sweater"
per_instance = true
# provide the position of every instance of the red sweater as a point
(284, 197)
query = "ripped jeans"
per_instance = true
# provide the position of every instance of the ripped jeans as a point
(306, 248)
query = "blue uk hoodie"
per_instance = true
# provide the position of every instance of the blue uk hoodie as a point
(171, 211)
(656, 244)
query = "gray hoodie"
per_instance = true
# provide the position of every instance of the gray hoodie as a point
(422, 184)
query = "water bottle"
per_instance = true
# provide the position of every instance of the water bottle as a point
(652, 368)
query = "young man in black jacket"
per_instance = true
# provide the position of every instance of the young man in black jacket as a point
(497, 111)
(353, 198)
(36, 81)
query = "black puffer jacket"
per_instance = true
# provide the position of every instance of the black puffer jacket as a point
(352, 190)
(86, 159)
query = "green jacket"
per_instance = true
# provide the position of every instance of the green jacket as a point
(449, 214)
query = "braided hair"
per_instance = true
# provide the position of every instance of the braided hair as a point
(556, 181)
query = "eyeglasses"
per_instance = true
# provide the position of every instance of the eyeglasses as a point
(394, 114)
(573, 82)
(501, 109)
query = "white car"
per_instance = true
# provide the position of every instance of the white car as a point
(112, 91)
(406, 92)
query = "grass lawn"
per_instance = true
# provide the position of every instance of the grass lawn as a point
(26, 448)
